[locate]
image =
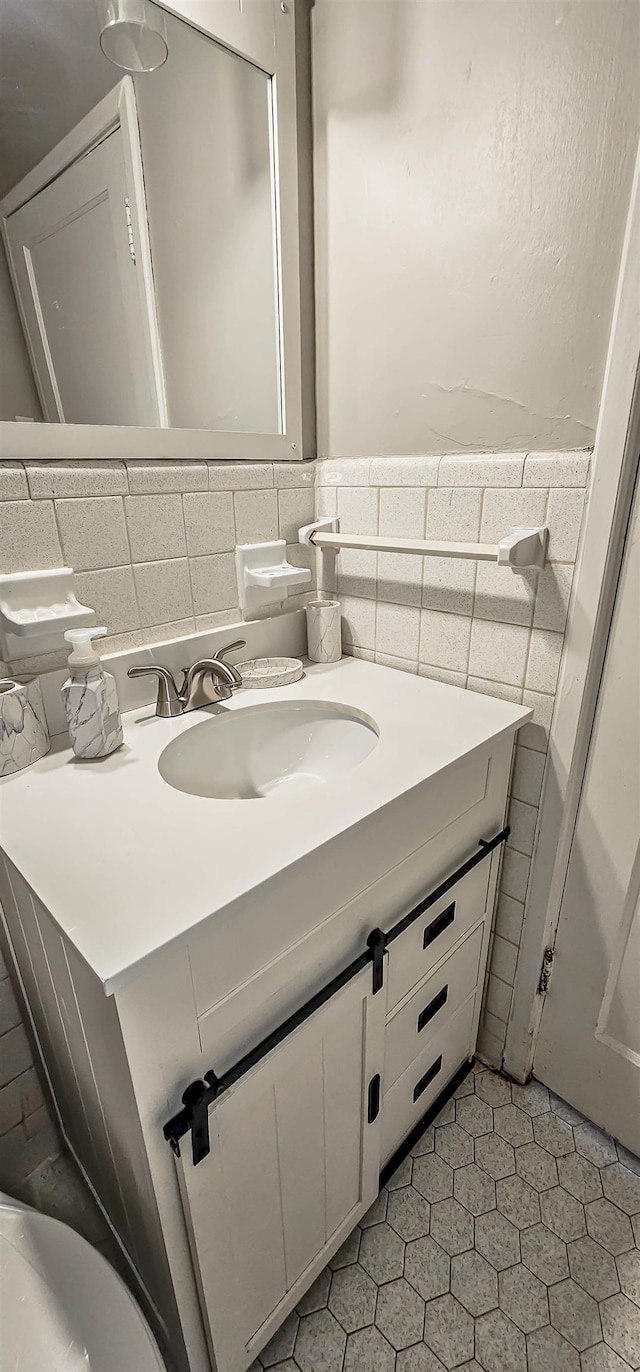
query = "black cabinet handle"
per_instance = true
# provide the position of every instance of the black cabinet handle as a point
(427, 1078)
(432, 1008)
(439, 924)
(373, 1101)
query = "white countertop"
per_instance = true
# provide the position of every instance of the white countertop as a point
(126, 864)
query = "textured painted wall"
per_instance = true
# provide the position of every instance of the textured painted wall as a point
(472, 169)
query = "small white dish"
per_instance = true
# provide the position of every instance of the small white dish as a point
(264, 672)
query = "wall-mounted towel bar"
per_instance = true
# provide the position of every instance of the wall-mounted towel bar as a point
(521, 547)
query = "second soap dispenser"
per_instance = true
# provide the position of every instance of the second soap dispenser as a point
(90, 698)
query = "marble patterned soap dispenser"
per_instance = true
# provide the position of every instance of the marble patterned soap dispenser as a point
(90, 699)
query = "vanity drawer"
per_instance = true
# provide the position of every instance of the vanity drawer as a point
(427, 1009)
(411, 1095)
(425, 942)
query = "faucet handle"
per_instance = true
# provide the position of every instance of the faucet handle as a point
(219, 656)
(168, 703)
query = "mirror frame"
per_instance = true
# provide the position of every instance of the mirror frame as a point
(274, 37)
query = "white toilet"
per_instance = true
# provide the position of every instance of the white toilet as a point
(64, 1308)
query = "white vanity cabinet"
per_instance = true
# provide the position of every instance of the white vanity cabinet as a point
(318, 1019)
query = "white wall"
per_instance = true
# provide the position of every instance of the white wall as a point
(18, 394)
(473, 167)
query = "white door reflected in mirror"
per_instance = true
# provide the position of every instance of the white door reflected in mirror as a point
(140, 226)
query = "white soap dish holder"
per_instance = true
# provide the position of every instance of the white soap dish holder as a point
(265, 576)
(35, 610)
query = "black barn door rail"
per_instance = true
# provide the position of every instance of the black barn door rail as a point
(199, 1095)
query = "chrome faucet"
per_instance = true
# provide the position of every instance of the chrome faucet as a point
(207, 682)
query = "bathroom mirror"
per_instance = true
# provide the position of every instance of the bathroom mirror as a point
(149, 292)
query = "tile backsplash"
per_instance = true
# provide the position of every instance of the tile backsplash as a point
(471, 624)
(152, 544)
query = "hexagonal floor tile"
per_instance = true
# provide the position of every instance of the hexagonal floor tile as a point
(316, 1297)
(495, 1156)
(536, 1166)
(320, 1343)
(474, 1115)
(523, 1298)
(465, 1088)
(500, 1346)
(402, 1175)
(367, 1351)
(622, 1186)
(563, 1214)
(594, 1144)
(474, 1283)
(609, 1226)
(493, 1089)
(408, 1213)
(425, 1143)
(419, 1359)
(628, 1265)
(534, 1097)
(451, 1226)
(553, 1134)
(497, 1240)
(348, 1252)
(513, 1125)
(574, 1313)
(400, 1313)
(601, 1358)
(454, 1145)
(352, 1298)
(630, 1160)
(547, 1351)
(544, 1254)
(474, 1189)
(579, 1177)
(427, 1267)
(446, 1116)
(621, 1327)
(282, 1344)
(518, 1201)
(376, 1212)
(593, 1268)
(564, 1111)
(433, 1177)
(382, 1253)
(448, 1330)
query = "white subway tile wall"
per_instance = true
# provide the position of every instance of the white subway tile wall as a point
(469, 624)
(152, 543)
(28, 1136)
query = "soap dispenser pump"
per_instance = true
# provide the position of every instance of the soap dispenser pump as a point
(90, 698)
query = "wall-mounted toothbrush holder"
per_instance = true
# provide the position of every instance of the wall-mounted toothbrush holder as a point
(35, 610)
(264, 576)
(521, 548)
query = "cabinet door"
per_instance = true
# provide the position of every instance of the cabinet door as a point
(294, 1164)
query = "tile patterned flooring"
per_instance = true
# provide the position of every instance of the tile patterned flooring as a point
(508, 1242)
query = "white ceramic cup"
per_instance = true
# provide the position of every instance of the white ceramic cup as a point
(324, 630)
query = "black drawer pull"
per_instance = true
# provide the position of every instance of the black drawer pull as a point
(427, 1078)
(438, 925)
(373, 1102)
(432, 1008)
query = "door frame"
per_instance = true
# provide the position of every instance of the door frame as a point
(117, 110)
(614, 466)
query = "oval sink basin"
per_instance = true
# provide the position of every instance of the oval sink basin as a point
(264, 750)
